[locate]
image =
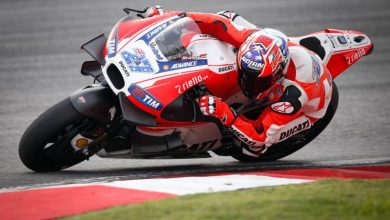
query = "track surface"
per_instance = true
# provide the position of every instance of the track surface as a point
(40, 61)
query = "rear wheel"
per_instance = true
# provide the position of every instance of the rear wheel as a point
(46, 144)
(297, 141)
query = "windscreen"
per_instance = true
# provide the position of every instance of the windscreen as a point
(171, 41)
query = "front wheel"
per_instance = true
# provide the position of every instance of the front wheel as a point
(297, 141)
(46, 143)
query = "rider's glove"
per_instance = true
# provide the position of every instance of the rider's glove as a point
(213, 106)
(153, 11)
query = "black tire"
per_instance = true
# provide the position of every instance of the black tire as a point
(61, 120)
(294, 143)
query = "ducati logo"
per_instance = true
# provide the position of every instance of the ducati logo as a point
(242, 136)
(81, 99)
(294, 130)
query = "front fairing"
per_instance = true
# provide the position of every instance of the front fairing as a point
(151, 66)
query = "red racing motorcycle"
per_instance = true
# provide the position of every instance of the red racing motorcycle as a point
(142, 102)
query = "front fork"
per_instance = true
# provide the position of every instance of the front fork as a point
(98, 103)
(95, 137)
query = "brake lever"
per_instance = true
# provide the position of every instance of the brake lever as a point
(201, 90)
(139, 12)
(195, 93)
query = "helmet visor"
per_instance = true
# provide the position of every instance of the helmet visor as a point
(252, 84)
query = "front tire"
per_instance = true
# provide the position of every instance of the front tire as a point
(296, 142)
(45, 145)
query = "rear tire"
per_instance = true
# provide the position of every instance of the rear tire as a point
(289, 146)
(57, 125)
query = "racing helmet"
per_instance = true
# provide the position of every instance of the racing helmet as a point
(262, 60)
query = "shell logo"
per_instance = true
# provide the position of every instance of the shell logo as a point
(82, 142)
(166, 67)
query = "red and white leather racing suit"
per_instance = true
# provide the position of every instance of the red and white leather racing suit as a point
(294, 105)
(301, 99)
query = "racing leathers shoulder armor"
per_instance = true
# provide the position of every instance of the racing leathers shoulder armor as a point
(294, 106)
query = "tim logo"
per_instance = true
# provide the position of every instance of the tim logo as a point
(112, 45)
(144, 97)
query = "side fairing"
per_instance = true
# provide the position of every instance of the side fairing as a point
(138, 67)
(154, 66)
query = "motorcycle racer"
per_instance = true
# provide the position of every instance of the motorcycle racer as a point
(292, 81)
(262, 99)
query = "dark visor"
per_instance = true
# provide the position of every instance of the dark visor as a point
(252, 85)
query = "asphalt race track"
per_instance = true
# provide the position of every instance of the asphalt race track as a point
(40, 62)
